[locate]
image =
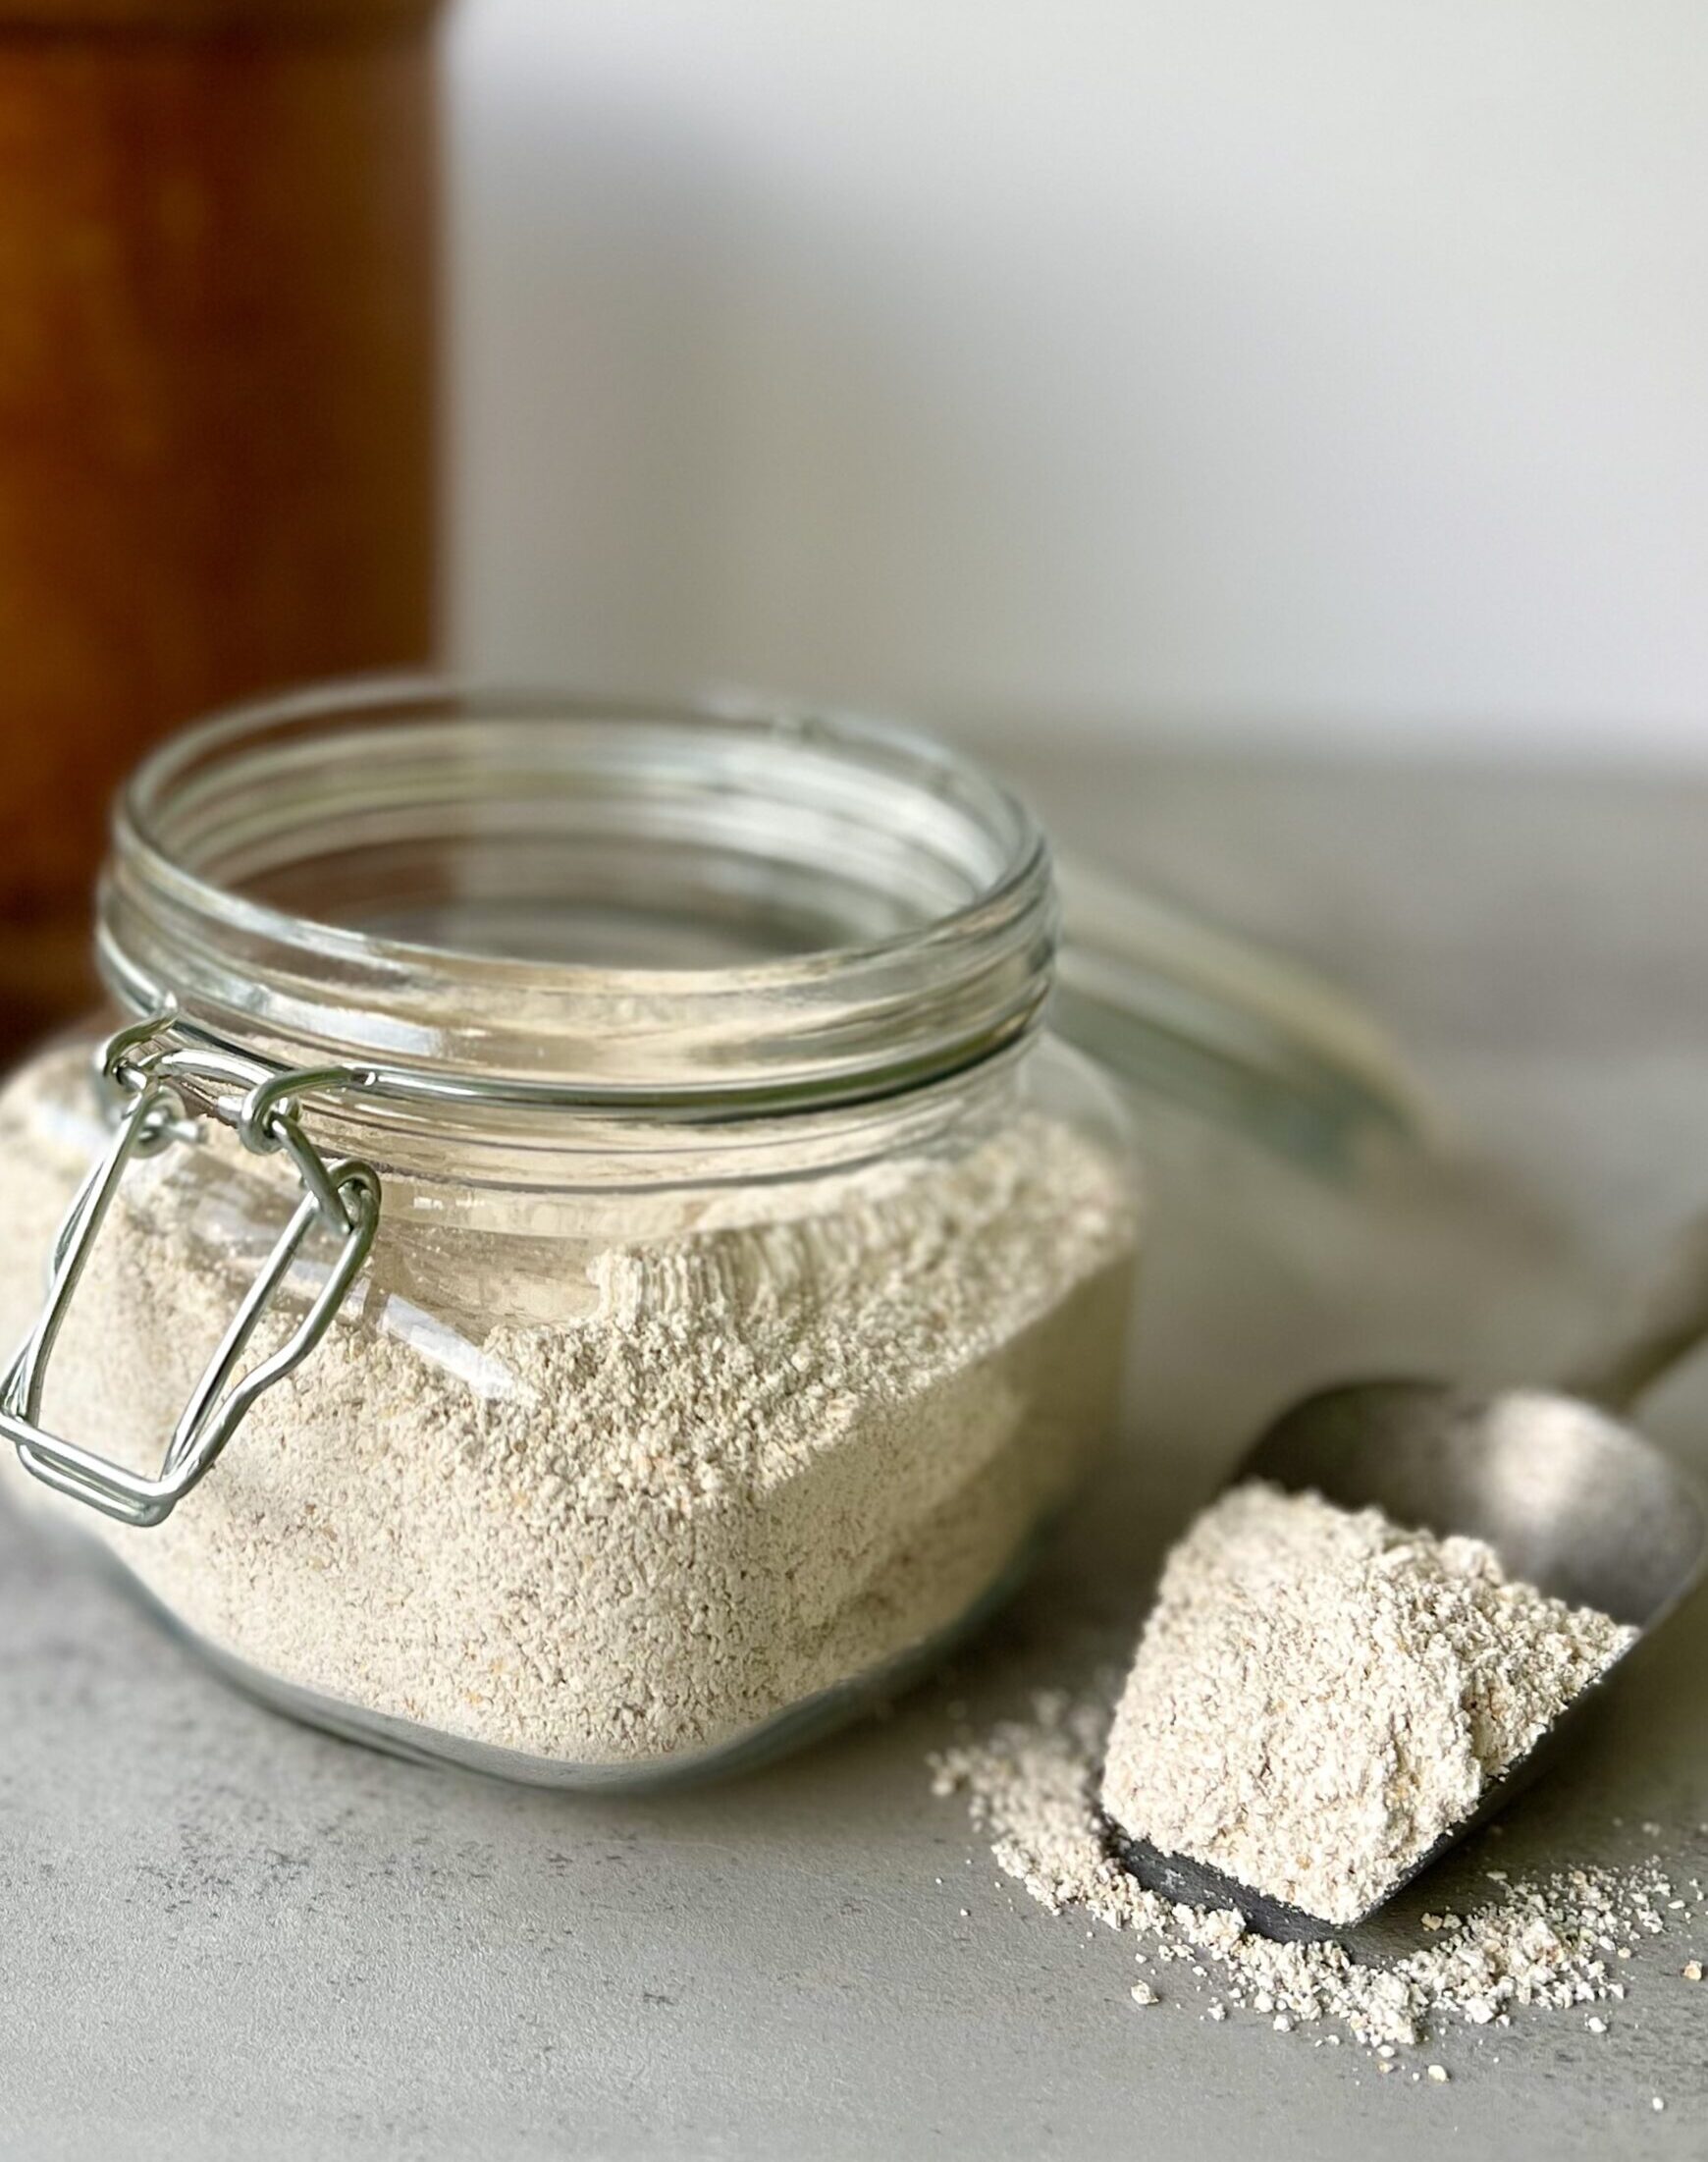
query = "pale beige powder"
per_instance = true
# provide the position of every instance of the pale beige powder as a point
(754, 1463)
(1319, 1695)
(1560, 1941)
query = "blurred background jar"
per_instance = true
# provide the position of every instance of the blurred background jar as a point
(217, 397)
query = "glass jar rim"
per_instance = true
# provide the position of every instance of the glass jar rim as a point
(911, 892)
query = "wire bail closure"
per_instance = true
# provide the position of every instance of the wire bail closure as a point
(144, 1068)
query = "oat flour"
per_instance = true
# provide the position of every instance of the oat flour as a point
(1319, 1696)
(1560, 1941)
(744, 1467)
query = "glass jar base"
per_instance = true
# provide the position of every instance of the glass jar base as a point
(810, 1720)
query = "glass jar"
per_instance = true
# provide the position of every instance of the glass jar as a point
(607, 1175)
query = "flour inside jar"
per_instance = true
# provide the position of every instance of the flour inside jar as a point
(746, 1466)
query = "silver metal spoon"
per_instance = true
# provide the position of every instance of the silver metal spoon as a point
(1570, 1497)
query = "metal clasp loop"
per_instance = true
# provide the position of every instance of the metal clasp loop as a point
(342, 1196)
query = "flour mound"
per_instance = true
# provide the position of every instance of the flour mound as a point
(1320, 1695)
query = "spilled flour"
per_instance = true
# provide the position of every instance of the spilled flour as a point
(1557, 1941)
(1319, 1696)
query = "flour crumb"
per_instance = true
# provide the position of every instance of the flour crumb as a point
(1143, 1993)
(1319, 1695)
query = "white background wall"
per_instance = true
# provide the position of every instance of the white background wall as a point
(1283, 368)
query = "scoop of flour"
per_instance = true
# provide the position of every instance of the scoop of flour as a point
(1319, 1695)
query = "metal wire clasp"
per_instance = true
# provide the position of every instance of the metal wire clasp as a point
(145, 1067)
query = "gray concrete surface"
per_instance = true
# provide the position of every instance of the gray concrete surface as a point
(226, 1935)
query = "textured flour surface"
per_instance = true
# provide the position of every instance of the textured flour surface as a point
(1319, 1695)
(1555, 1942)
(748, 1465)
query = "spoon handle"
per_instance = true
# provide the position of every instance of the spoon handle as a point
(1665, 1315)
